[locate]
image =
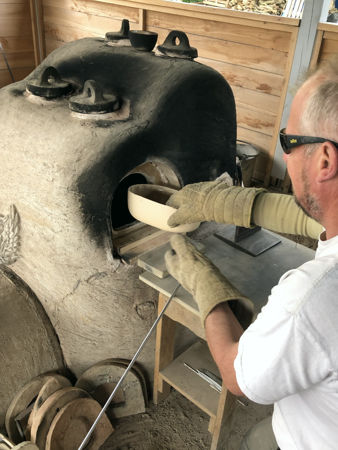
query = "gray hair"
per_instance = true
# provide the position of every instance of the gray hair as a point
(320, 116)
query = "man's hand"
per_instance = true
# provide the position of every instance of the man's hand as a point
(213, 201)
(204, 281)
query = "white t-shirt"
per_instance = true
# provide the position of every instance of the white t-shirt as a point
(289, 355)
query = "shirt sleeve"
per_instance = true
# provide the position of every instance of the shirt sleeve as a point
(280, 354)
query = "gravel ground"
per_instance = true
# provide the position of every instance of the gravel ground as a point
(177, 424)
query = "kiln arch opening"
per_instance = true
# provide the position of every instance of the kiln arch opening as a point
(129, 236)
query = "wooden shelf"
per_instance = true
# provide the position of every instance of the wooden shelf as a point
(189, 384)
(170, 372)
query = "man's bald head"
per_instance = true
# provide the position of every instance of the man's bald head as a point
(320, 106)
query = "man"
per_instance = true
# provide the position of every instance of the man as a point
(289, 355)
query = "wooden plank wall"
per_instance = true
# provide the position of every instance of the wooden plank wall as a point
(326, 44)
(16, 40)
(67, 20)
(253, 55)
(253, 58)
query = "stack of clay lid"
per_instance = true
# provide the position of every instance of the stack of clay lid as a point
(101, 379)
(54, 415)
(6, 444)
(19, 410)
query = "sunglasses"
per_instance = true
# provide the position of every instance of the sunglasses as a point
(290, 141)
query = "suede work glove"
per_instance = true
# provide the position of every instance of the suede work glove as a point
(213, 201)
(204, 281)
(245, 207)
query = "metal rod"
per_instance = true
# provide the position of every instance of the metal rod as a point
(130, 365)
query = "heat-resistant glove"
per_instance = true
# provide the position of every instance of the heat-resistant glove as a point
(246, 207)
(280, 213)
(204, 281)
(213, 201)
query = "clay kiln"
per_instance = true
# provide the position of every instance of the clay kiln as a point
(91, 120)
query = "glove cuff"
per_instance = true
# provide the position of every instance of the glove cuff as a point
(280, 213)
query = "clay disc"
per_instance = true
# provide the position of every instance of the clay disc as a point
(111, 373)
(135, 369)
(3, 446)
(5, 443)
(72, 423)
(20, 402)
(48, 410)
(26, 445)
(52, 384)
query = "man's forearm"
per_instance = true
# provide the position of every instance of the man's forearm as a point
(223, 332)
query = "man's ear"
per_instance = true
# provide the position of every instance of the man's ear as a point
(327, 162)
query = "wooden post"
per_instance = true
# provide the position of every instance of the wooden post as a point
(164, 351)
(314, 11)
(142, 19)
(37, 30)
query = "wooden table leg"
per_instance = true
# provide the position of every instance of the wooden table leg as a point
(225, 407)
(164, 351)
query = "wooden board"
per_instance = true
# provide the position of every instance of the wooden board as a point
(15, 20)
(247, 77)
(255, 120)
(233, 52)
(329, 46)
(94, 8)
(326, 44)
(257, 100)
(260, 141)
(265, 38)
(90, 23)
(16, 44)
(16, 40)
(72, 423)
(16, 60)
(22, 2)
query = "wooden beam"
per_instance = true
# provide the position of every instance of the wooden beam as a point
(32, 5)
(316, 49)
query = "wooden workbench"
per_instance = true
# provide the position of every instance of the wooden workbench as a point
(253, 276)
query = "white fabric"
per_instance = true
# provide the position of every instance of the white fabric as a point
(289, 355)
